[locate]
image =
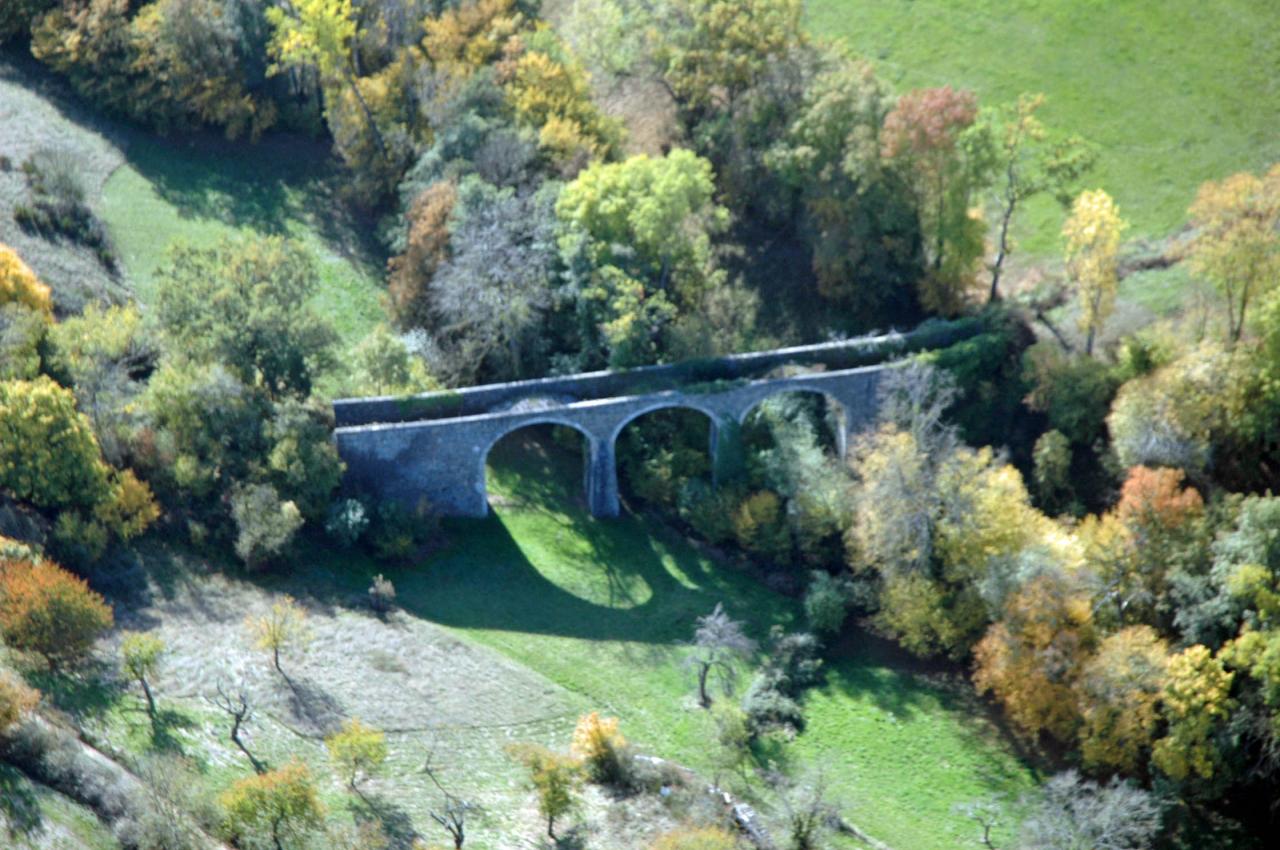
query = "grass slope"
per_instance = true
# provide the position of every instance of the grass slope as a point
(34, 817)
(1174, 93)
(523, 622)
(203, 190)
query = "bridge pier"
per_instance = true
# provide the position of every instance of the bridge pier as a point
(602, 478)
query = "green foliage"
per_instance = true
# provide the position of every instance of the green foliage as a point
(643, 229)
(381, 364)
(302, 460)
(1074, 392)
(555, 778)
(826, 602)
(22, 336)
(244, 304)
(265, 523)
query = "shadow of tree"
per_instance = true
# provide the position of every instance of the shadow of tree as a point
(313, 706)
(19, 806)
(85, 693)
(395, 822)
(164, 728)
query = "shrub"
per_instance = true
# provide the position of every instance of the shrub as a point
(47, 610)
(265, 524)
(347, 522)
(554, 777)
(16, 699)
(48, 455)
(759, 525)
(397, 532)
(767, 707)
(708, 510)
(277, 809)
(826, 602)
(57, 207)
(382, 594)
(19, 284)
(597, 741)
(793, 663)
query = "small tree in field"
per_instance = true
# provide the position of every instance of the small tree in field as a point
(278, 809)
(555, 777)
(357, 751)
(718, 644)
(140, 653)
(285, 625)
(47, 610)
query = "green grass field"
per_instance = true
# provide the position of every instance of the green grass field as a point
(520, 624)
(201, 191)
(1174, 93)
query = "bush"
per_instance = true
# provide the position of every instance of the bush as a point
(57, 207)
(597, 741)
(759, 526)
(793, 663)
(826, 603)
(265, 524)
(397, 532)
(382, 594)
(49, 456)
(45, 609)
(19, 284)
(347, 522)
(708, 510)
(16, 699)
(767, 707)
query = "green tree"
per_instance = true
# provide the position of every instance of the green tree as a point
(1031, 162)
(276, 810)
(357, 751)
(140, 653)
(639, 234)
(244, 304)
(556, 779)
(1092, 234)
(265, 523)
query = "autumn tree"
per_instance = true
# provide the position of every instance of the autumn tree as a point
(1032, 657)
(946, 155)
(1236, 245)
(1119, 689)
(601, 748)
(719, 643)
(555, 778)
(1196, 705)
(357, 751)
(276, 810)
(49, 456)
(426, 246)
(140, 654)
(1092, 235)
(19, 284)
(1031, 162)
(283, 627)
(695, 838)
(47, 610)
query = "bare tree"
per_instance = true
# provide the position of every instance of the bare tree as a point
(719, 643)
(1077, 814)
(453, 816)
(238, 707)
(988, 815)
(806, 810)
(914, 396)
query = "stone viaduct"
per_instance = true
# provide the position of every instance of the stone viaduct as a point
(435, 445)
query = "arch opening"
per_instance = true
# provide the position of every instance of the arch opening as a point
(811, 416)
(661, 450)
(534, 464)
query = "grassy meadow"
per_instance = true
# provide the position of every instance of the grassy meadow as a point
(1173, 93)
(519, 624)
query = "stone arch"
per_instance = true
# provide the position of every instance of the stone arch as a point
(590, 443)
(714, 423)
(841, 408)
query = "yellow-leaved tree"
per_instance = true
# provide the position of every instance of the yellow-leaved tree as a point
(19, 284)
(1196, 703)
(1092, 233)
(1119, 691)
(1237, 246)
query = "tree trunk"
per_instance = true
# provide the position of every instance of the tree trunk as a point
(151, 702)
(368, 114)
(703, 699)
(551, 827)
(1002, 250)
